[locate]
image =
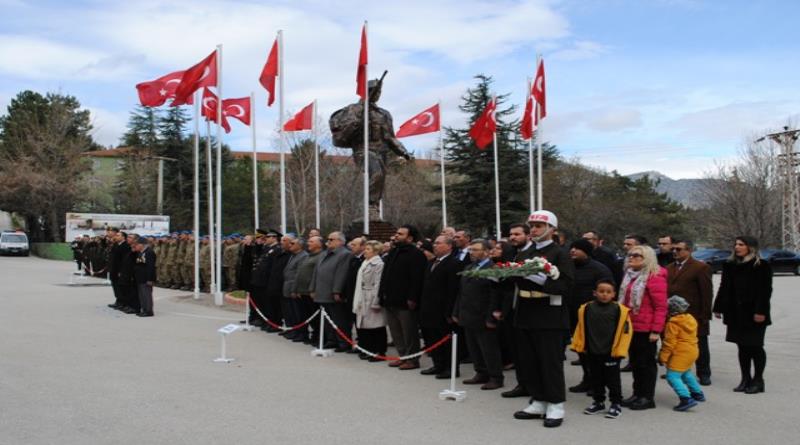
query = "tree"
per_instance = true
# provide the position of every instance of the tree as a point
(472, 197)
(136, 187)
(143, 129)
(41, 167)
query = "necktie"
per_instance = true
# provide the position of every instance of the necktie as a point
(435, 263)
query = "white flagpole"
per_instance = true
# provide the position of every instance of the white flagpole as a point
(280, 129)
(316, 164)
(496, 178)
(531, 176)
(218, 293)
(441, 156)
(255, 159)
(196, 225)
(366, 140)
(212, 247)
(539, 151)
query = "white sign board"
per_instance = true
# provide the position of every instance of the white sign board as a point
(228, 329)
(95, 224)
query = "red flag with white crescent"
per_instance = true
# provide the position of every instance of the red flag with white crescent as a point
(303, 120)
(203, 74)
(425, 122)
(208, 109)
(361, 73)
(155, 93)
(538, 89)
(482, 132)
(238, 108)
(270, 72)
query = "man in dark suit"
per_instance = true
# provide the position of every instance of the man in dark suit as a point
(145, 274)
(477, 310)
(604, 255)
(328, 286)
(119, 249)
(126, 278)
(691, 279)
(439, 292)
(260, 278)
(462, 240)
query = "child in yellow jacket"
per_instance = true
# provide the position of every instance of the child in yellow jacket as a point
(603, 336)
(679, 352)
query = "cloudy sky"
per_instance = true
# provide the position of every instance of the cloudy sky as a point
(668, 85)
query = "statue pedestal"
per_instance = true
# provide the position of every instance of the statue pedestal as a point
(378, 230)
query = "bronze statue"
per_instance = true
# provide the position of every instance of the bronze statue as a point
(347, 130)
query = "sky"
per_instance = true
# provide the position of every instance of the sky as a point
(632, 85)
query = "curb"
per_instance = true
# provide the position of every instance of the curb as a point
(230, 299)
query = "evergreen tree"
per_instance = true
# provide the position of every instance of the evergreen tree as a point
(471, 199)
(143, 129)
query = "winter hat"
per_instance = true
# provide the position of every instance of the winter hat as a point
(584, 245)
(677, 305)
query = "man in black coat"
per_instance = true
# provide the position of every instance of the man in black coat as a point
(246, 263)
(587, 273)
(604, 255)
(400, 290)
(145, 275)
(439, 293)
(260, 278)
(477, 310)
(126, 279)
(462, 240)
(119, 249)
(541, 322)
(279, 259)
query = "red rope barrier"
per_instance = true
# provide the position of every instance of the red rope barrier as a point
(272, 323)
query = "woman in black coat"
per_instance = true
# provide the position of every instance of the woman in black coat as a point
(743, 304)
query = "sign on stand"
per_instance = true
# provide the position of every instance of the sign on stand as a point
(224, 332)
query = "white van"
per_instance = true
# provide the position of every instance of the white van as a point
(14, 243)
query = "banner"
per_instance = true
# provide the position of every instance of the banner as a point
(95, 224)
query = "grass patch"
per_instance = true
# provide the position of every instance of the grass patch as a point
(240, 294)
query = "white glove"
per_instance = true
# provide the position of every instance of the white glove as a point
(538, 278)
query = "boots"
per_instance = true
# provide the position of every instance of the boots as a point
(742, 385)
(755, 387)
(685, 404)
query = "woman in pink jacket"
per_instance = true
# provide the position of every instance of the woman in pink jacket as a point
(644, 292)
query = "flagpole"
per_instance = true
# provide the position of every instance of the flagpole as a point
(539, 151)
(281, 133)
(255, 159)
(210, 188)
(316, 165)
(366, 140)
(441, 156)
(196, 204)
(218, 292)
(531, 176)
(496, 181)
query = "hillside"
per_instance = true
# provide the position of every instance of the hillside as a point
(684, 191)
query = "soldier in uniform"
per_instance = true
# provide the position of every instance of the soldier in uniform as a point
(541, 322)
(226, 262)
(205, 264)
(259, 281)
(187, 270)
(172, 255)
(245, 263)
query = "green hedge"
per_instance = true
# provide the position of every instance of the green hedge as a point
(52, 251)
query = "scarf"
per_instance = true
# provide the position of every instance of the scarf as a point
(634, 299)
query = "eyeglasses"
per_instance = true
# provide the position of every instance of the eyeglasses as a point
(635, 255)
(331, 239)
(678, 249)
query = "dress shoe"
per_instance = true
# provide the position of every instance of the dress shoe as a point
(553, 423)
(130, 310)
(627, 368)
(363, 356)
(518, 391)
(742, 385)
(395, 364)
(492, 384)
(433, 370)
(353, 351)
(374, 359)
(408, 365)
(580, 387)
(299, 339)
(477, 379)
(340, 349)
(704, 381)
(755, 387)
(629, 401)
(113, 305)
(144, 314)
(330, 346)
(446, 374)
(522, 415)
(641, 404)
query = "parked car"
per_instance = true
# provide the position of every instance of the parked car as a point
(782, 260)
(713, 257)
(14, 243)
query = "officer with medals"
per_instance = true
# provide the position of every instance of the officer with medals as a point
(541, 323)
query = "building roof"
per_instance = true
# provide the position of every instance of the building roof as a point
(110, 152)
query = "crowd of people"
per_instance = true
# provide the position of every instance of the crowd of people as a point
(604, 306)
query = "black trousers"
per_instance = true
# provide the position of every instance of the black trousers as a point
(273, 308)
(643, 364)
(259, 296)
(373, 340)
(130, 296)
(703, 362)
(440, 355)
(484, 348)
(119, 299)
(540, 363)
(604, 373)
(341, 316)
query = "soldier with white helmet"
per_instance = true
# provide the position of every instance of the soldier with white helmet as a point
(541, 322)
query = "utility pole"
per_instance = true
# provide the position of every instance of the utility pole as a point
(788, 161)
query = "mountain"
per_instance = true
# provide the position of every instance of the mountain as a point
(684, 191)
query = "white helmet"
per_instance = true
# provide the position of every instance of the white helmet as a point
(544, 216)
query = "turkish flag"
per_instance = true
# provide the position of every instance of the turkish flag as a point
(425, 122)
(526, 129)
(209, 109)
(237, 108)
(270, 72)
(204, 74)
(482, 132)
(303, 120)
(537, 90)
(361, 74)
(155, 92)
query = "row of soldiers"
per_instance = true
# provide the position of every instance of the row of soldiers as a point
(176, 261)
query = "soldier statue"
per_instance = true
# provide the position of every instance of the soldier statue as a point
(347, 131)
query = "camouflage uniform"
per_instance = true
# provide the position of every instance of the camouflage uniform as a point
(205, 265)
(171, 266)
(231, 263)
(187, 269)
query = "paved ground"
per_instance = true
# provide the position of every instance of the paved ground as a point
(74, 372)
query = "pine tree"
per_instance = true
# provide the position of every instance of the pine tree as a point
(143, 129)
(471, 198)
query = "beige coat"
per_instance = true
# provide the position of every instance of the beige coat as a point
(365, 299)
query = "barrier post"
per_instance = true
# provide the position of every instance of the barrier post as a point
(451, 393)
(247, 326)
(320, 352)
(224, 331)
